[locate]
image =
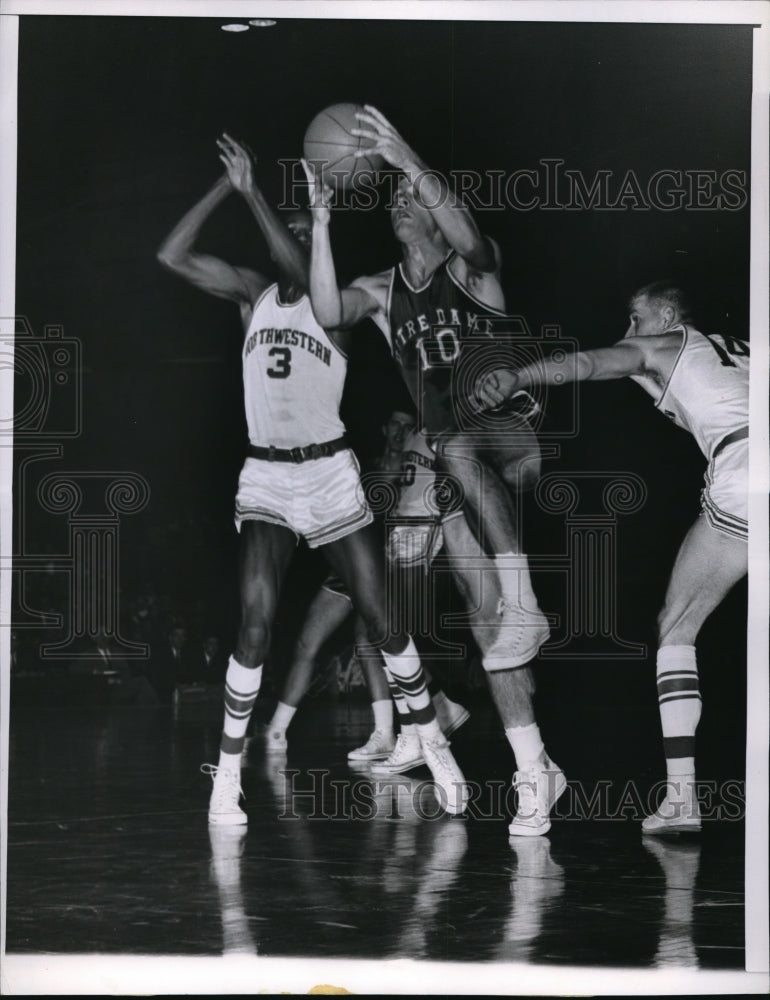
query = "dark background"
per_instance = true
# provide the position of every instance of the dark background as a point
(117, 125)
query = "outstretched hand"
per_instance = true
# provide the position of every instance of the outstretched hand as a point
(387, 141)
(494, 388)
(238, 160)
(320, 194)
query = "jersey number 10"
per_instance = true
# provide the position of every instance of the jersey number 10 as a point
(444, 346)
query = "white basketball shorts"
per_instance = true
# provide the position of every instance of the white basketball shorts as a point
(725, 498)
(414, 544)
(320, 500)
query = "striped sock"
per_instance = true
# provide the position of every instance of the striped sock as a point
(241, 689)
(680, 707)
(405, 724)
(407, 672)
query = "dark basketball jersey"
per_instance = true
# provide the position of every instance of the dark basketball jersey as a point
(427, 328)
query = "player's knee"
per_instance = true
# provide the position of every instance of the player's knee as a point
(375, 629)
(254, 641)
(521, 472)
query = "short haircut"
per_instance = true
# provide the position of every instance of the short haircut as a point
(668, 293)
(402, 412)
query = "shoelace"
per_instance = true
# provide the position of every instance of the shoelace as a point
(525, 784)
(439, 755)
(503, 606)
(227, 784)
(405, 746)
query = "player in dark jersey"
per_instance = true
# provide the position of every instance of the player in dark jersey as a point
(291, 484)
(426, 307)
(702, 384)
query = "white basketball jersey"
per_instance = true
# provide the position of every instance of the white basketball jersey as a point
(293, 375)
(708, 390)
(418, 478)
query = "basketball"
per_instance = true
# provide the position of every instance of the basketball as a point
(331, 146)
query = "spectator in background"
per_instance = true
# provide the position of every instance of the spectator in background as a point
(171, 663)
(213, 663)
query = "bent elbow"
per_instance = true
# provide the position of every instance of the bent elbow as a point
(327, 314)
(329, 319)
(165, 258)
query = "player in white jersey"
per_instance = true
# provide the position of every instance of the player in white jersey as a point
(701, 383)
(300, 477)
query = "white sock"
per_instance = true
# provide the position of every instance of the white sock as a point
(527, 744)
(430, 731)
(515, 580)
(680, 708)
(383, 715)
(402, 709)
(229, 761)
(282, 716)
(405, 668)
(241, 690)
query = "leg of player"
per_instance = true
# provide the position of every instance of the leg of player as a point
(488, 503)
(327, 611)
(407, 753)
(538, 781)
(382, 740)
(411, 549)
(359, 560)
(708, 565)
(266, 550)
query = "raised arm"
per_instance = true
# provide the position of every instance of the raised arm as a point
(177, 253)
(332, 308)
(290, 258)
(627, 357)
(457, 225)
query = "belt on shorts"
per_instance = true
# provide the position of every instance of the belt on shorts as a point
(739, 435)
(305, 454)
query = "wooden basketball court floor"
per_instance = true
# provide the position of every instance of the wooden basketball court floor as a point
(109, 854)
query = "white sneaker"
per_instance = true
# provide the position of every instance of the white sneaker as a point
(223, 805)
(275, 741)
(450, 715)
(538, 788)
(407, 755)
(451, 789)
(675, 814)
(519, 638)
(379, 745)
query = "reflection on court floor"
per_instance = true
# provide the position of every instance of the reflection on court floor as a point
(110, 852)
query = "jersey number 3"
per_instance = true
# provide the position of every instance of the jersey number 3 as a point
(282, 367)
